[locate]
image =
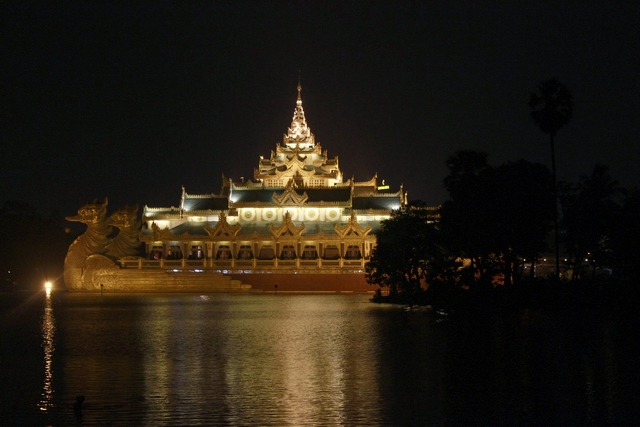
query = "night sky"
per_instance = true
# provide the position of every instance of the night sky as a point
(132, 100)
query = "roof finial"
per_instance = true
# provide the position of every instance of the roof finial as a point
(299, 131)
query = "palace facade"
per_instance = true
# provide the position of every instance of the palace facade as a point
(298, 215)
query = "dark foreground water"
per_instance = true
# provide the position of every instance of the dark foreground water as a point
(301, 360)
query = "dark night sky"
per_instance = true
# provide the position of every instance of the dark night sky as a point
(132, 100)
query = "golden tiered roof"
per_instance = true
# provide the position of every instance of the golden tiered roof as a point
(298, 157)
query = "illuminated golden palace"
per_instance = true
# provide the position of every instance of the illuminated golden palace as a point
(297, 225)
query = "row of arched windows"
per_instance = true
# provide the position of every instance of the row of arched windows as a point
(245, 252)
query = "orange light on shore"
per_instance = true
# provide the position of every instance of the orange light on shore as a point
(47, 286)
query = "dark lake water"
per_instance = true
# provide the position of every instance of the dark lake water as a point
(305, 360)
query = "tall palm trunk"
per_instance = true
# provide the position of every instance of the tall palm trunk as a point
(552, 109)
(555, 200)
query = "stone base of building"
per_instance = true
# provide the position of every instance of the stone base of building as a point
(102, 275)
(305, 282)
(105, 276)
(208, 282)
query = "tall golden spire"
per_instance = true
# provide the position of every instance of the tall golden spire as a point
(299, 130)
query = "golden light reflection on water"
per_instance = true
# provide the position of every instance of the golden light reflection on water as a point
(48, 346)
(313, 351)
(306, 360)
(292, 359)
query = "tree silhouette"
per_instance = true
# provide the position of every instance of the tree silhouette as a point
(406, 243)
(552, 108)
(626, 238)
(467, 215)
(591, 211)
(496, 216)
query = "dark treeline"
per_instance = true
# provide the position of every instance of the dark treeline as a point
(488, 238)
(32, 248)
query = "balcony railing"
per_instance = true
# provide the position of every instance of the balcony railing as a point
(257, 263)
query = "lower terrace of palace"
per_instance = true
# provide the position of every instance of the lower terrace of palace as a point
(343, 257)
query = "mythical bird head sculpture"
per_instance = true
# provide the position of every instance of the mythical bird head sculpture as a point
(125, 218)
(91, 213)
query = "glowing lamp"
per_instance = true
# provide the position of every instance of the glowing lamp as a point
(47, 286)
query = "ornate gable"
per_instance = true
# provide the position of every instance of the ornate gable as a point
(287, 228)
(295, 162)
(161, 234)
(290, 197)
(352, 228)
(222, 228)
(294, 172)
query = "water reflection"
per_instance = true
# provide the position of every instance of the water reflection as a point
(324, 360)
(291, 360)
(48, 330)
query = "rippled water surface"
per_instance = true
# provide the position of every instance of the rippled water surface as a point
(300, 360)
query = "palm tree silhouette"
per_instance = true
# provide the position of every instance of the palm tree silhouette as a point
(551, 110)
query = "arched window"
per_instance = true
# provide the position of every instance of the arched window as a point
(245, 252)
(223, 253)
(288, 252)
(156, 253)
(310, 252)
(196, 252)
(174, 252)
(353, 252)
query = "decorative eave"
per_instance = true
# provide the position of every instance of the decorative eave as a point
(256, 204)
(173, 217)
(287, 228)
(374, 194)
(346, 183)
(290, 172)
(248, 185)
(286, 150)
(295, 160)
(160, 209)
(330, 170)
(370, 211)
(202, 212)
(293, 164)
(161, 213)
(318, 204)
(205, 196)
(373, 182)
(383, 195)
